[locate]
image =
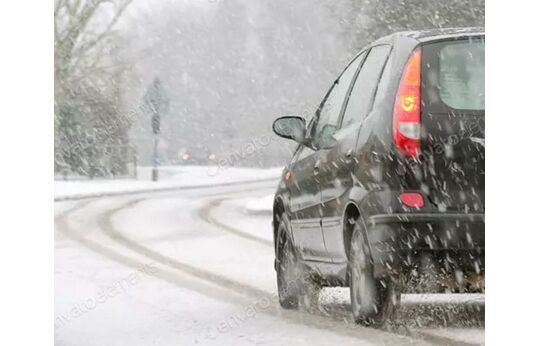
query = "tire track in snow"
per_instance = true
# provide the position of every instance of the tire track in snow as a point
(105, 223)
(212, 289)
(65, 229)
(315, 320)
(205, 214)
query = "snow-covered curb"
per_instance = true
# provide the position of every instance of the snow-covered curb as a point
(75, 197)
(172, 178)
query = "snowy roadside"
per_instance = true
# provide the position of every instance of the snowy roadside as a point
(255, 205)
(171, 178)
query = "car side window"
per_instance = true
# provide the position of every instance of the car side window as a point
(303, 150)
(360, 100)
(384, 83)
(330, 109)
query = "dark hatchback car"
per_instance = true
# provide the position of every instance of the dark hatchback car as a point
(385, 192)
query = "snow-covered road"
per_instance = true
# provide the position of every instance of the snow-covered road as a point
(196, 267)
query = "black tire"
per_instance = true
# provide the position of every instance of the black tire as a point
(373, 301)
(287, 269)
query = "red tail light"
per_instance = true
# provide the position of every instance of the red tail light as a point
(407, 110)
(412, 199)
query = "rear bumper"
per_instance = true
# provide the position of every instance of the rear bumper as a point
(453, 240)
(426, 217)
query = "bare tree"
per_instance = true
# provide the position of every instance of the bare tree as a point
(87, 76)
(78, 36)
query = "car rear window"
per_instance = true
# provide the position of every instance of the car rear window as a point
(462, 75)
(454, 74)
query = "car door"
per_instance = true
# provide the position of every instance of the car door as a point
(304, 189)
(339, 178)
(305, 195)
(304, 201)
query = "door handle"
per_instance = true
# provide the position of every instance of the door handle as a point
(317, 167)
(348, 155)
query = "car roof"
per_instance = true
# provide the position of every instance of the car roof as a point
(433, 34)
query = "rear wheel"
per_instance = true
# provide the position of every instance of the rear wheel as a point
(373, 301)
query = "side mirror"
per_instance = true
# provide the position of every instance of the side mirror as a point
(290, 127)
(325, 139)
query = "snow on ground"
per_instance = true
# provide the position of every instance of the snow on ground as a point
(463, 335)
(169, 177)
(238, 214)
(256, 205)
(171, 226)
(100, 300)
